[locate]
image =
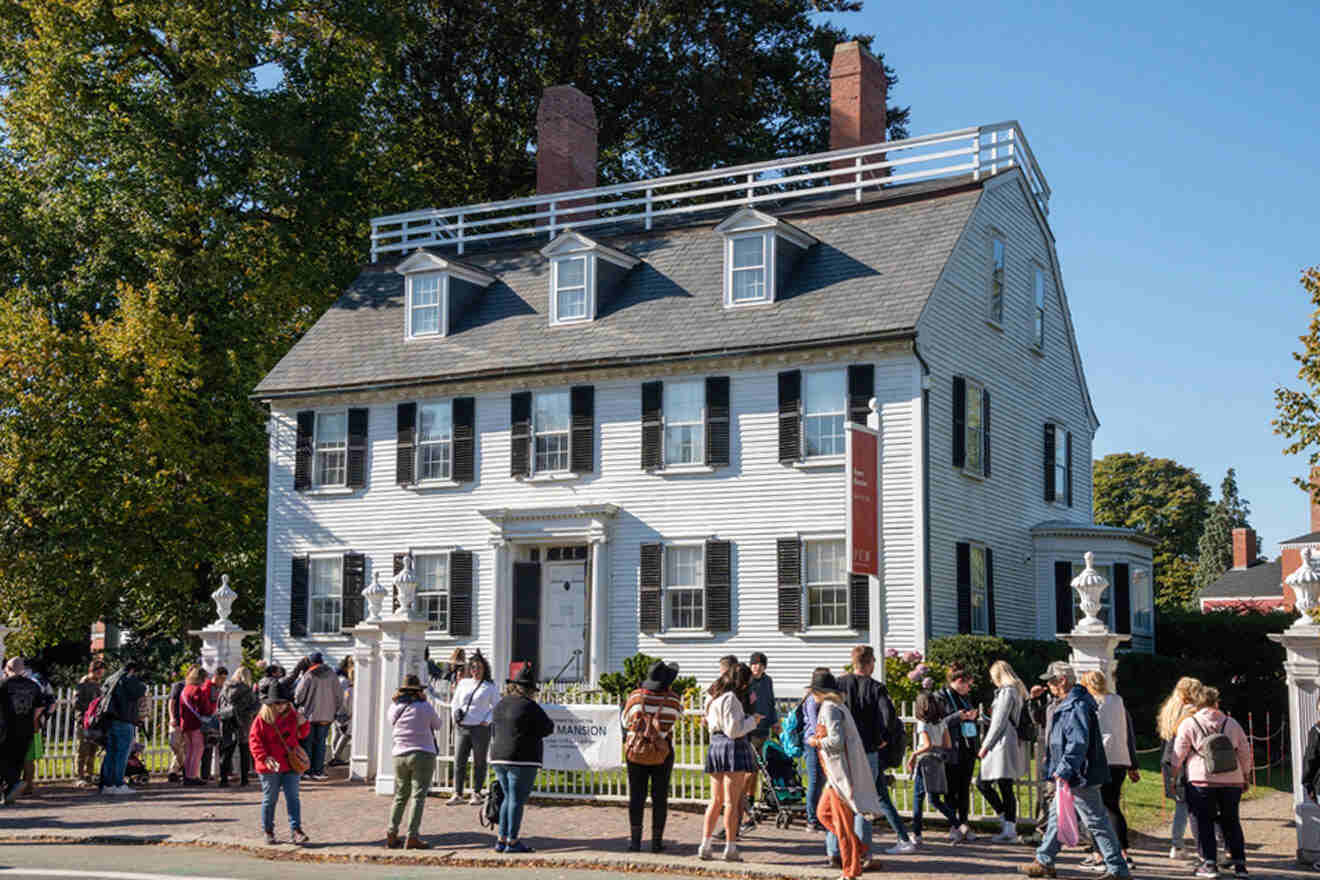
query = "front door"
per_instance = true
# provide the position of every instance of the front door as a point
(564, 621)
(527, 615)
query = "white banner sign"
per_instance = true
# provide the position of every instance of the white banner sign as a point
(585, 738)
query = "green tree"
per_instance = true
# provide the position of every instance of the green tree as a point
(1299, 412)
(1167, 501)
(1214, 550)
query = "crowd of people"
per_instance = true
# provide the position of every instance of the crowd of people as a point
(846, 727)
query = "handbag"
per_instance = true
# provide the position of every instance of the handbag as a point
(210, 724)
(1067, 813)
(294, 754)
(460, 714)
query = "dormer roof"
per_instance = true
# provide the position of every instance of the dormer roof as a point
(574, 243)
(425, 261)
(752, 220)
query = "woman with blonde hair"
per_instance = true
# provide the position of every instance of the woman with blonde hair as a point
(1180, 705)
(1002, 759)
(273, 740)
(1120, 744)
(195, 707)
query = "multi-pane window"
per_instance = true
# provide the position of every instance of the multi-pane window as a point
(1143, 601)
(1038, 292)
(571, 289)
(331, 449)
(975, 428)
(1106, 612)
(980, 601)
(425, 307)
(824, 398)
(684, 425)
(435, 435)
(827, 584)
(432, 573)
(684, 586)
(551, 420)
(997, 280)
(1060, 463)
(747, 268)
(325, 595)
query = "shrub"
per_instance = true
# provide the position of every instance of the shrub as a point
(908, 674)
(975, 654)
(619, 684)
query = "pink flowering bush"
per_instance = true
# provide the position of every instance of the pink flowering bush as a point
(907, 674)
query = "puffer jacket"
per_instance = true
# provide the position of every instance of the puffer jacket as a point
(319, 696)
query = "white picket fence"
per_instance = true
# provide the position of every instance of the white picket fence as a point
(61, 750)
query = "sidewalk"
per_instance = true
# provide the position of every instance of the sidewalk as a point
(346, 822)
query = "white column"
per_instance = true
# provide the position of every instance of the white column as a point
(876, 585)
(600, 586)
(1095, 651)
(502, 634)
(1302, 665)
(366, 701)
(402, 651)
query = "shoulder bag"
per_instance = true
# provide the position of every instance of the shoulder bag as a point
(294, 754)
(460, 714)
(210, 724)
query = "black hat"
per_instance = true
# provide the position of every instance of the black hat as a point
(272, 691)
(315, 657)
(524, 678)
(660, 676)
(824, 682)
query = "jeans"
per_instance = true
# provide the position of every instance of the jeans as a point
(939, 801)
(475, 742)
(517, 781)
(815, 781)
(271, 786)
(413, 773)
(118, 740)
(1095, 819)
(316, 747)
(999, 794)
(656, 777)
(1210, 805)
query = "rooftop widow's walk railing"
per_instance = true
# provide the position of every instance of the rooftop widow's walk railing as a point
(979, 151)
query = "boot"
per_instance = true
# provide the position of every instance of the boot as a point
(392, 840)
(415, 843)
(635, 840)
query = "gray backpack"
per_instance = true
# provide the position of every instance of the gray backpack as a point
(1217, 750)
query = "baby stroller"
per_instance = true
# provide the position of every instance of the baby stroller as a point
(135, 771)
(782, 792)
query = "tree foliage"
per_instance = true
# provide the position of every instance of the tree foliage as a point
(185, 186)
(1299, 411)
(1214, 550)
(1165, 500)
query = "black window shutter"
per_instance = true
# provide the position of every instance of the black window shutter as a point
(790, 416)
(717, 421)
(859, 601)
(405, 437)
(520, 434)
(650, 605)
(1068, 450)
(1051, 490)
(357, 447)
(1063, 593)
(460, 593)
(400, 559)
(963, 565)
(985, 432)
(990, 590)
(581, 454)
(959, 421)
(302, 461)
(861, 388)
(653, 435)
(719, 586)
(465, 439)
(789, 562)
(1122, 598)
(353, 582)
(302, 570)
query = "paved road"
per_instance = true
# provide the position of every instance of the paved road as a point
(53, 861)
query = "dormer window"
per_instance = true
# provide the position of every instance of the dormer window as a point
(583, 274)
(436, 291)
(759, 253)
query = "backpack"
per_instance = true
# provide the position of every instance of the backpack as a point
(895, 736)
(790, 738)
(646, 744)
(1025, 727)
(1217, 749)
(93, 720)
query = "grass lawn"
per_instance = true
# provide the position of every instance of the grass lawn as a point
(1147, 809)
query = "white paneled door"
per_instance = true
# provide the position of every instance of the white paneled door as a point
(564, 621)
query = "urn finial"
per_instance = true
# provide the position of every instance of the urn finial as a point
(224, 598)
(1090, 586)
(375, 594)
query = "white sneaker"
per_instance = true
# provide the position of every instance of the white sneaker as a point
(902, 848)
(731, 854)
(120, 789)
(454, 801)
(705, 852)
(1175, 853)
(1007, 834)
(476, 800)
(917, 842)
(968, 835)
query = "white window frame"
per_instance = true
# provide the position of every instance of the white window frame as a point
(420, 445)
(1060, 464)
(1039, 294)
(974, 391)
(316, 448)
(979, 591)
(767, 269)
(668, 422)
(1106, 570)
(337, 597)
(999, 277)
(566, 432)
(588, 287)
(446, 590)
(808, 585)
(442, 325)
(699, 588)
(843, 398)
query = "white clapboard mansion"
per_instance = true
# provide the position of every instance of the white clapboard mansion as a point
(604, 420)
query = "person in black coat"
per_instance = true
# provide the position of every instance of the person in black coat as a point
(960, 719)
(1311, 762)
(517, 729)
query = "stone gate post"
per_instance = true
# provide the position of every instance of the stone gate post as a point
(366, 686)
(1093, 645)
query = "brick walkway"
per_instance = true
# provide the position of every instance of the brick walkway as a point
(346, 822)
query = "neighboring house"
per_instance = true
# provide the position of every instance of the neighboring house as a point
(106, 637)
(614, 421)
(1255, 584)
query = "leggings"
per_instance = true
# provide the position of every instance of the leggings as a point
(1111, 793)
(473, 741)
(960, 787)
(656, 777)
(999, 794)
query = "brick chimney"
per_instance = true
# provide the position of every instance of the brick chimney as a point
(1244, 548)
(857, 102)
(566, 146)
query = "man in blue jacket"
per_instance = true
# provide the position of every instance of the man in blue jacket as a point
(1077, 756)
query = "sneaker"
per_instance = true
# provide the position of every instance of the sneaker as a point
(968, 835)
(903, 847)
(1036, 869)
(1207, 869)
(1175, 853)
(1007, 833)
(1092, 861)
(815, 826)
(454, 801)
(917, 841)
(271, 838)
(500, 846)
(119, 790)
(731, 854)
(1240, 871)
(299, 837)
(705, 852)
(955, 836)
(476, 799)
(517, 847)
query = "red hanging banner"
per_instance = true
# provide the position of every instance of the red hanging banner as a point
(863, 466)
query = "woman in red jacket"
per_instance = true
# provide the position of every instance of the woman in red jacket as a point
(275, 733)
(194, 704)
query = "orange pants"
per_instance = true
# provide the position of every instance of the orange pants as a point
(834, 813)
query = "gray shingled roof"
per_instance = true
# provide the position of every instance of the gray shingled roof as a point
(1310, 538)
(871, 274)
(1262, 579)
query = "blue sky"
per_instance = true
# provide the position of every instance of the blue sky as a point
(1182, 143)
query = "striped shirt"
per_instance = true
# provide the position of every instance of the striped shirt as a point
(664, 705)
